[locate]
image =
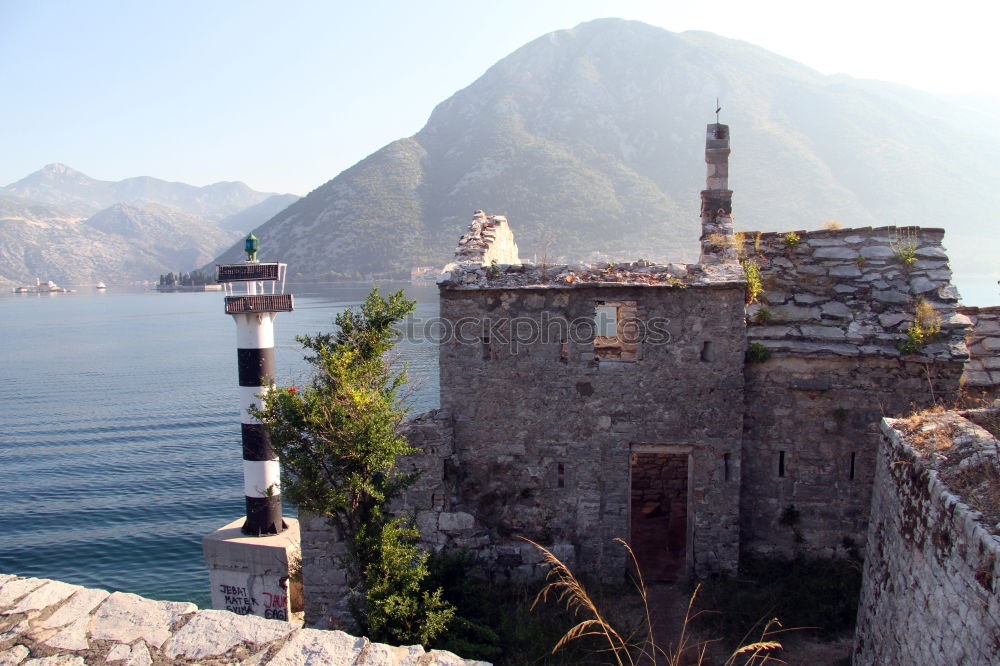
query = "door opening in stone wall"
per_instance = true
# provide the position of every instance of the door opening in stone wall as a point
(658, 523)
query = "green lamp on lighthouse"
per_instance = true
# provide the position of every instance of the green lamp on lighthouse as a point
(250, 247)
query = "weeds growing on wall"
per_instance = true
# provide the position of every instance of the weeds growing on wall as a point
(926, 327)
(755, 285)
(975, 476)
(791, 240)
(757, 353)
(904, 246)
(739, 244)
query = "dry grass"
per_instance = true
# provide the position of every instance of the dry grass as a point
(979, 486)
(639, 647)
(831, 225)
(964, 458)
(925, 434)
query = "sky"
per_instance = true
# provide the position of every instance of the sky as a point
(285, 95)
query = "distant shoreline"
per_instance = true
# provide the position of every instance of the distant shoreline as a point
(199, 287)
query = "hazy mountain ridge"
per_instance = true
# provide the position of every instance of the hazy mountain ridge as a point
(593, 139)
(60, 185)
(249, 218)
(127, 241)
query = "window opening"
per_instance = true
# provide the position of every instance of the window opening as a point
(615, 331)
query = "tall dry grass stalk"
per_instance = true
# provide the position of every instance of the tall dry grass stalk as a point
(567, 590)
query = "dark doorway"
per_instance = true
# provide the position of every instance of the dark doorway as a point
(658, 529)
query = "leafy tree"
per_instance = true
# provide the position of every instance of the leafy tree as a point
(338, 441)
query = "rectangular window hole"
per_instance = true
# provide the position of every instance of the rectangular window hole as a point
(564, 350)
(781, 463)
(707, 354)
(487, 351)
(560, 475)
(616, 331)
(853, 459)
(725, 465)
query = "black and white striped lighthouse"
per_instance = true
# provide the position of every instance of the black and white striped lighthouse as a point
(254, 311)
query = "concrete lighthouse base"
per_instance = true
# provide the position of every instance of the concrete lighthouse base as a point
(249, 574)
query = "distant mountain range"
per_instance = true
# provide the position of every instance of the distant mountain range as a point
(59, 224)
(593, 139)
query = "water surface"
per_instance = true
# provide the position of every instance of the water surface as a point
(119, 434)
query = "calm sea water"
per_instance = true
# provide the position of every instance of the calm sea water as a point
(119, 428)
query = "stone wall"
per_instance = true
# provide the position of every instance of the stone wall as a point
(851, 292)
(835, 308)
(49, 622)
(931, 593)
(817, 418)
(544, 430)
(488, 241)
(982, 372)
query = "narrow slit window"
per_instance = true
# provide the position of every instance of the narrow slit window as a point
(706, 352)
(781, 463)
(725, 466)
(564, 350)
(560, 475)
(853, 460)
(487, 351)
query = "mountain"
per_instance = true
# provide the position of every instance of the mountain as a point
(250, 218)
(120, 244)
(593, 139)
(62, 225)
(59, 185)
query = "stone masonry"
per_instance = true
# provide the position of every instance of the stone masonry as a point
(835, 307)
(982, 373)
(931, 591)
(558, 380)
(47, 622)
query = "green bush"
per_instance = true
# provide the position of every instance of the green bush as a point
(757, 353)
(337, 441)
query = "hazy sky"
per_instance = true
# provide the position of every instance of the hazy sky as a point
(285, 95)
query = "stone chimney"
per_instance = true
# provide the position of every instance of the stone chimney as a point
(717, 241)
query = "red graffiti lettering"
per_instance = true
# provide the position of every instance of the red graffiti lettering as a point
(276, 600)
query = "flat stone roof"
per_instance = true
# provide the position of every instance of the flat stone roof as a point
(473, 275)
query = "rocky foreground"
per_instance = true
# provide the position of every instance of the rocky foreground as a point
(48, 622)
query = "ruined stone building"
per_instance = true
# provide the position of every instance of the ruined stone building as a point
(651, 403)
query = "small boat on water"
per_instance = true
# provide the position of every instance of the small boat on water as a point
(101, 286)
